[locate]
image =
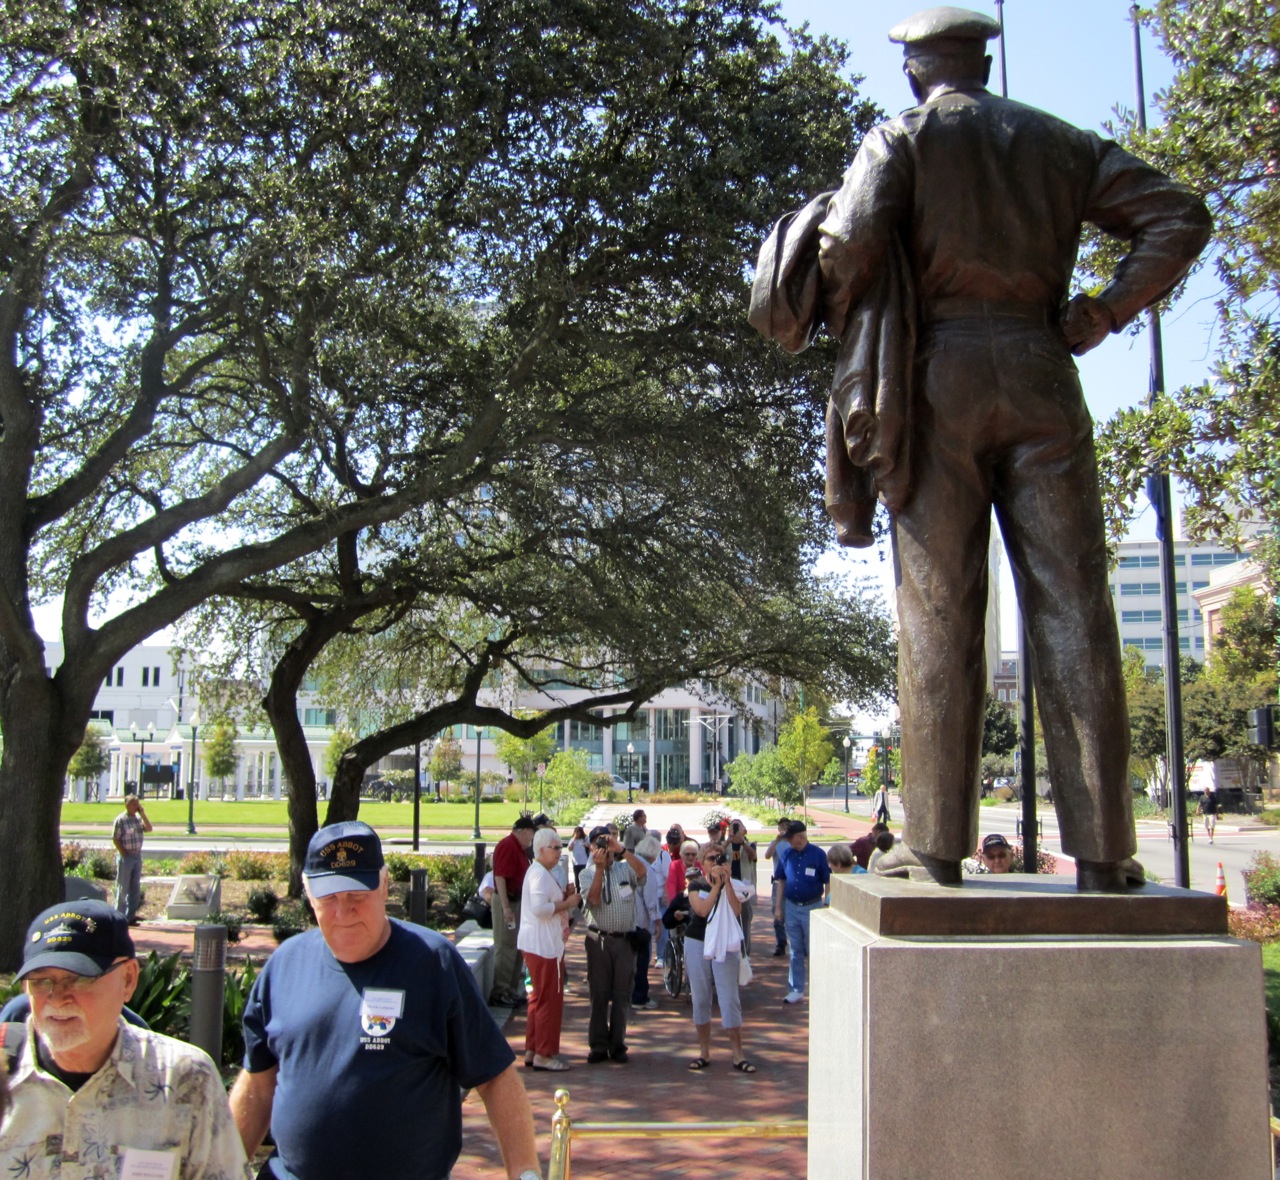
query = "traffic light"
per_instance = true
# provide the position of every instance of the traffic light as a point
(1262, 727)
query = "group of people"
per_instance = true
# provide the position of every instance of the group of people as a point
(630, 891)
(367, 1004)
(362, 1007)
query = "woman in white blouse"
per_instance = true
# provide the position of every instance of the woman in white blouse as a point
(544, 924)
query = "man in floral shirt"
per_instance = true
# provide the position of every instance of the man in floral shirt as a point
(94, 1098)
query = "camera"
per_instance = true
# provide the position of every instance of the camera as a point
(602, 842)
(718, 860)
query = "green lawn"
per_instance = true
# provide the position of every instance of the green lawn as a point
(1271, 976)
(268, 815)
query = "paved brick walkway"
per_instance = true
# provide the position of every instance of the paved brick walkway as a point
(656, 1086)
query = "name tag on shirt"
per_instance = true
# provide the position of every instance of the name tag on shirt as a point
(810, 871)
(149, 1165)
(383, 1001)
(624, 891)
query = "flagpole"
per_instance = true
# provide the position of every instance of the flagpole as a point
(1028, 827)
(1159, 491)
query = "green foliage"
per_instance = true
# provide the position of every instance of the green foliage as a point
(1262, 879)
(453, 878)
(163, 995)
(1218, 136)
(203, 864)
(233, 922)
(163, 866)
(999, 727)
(287, 925)
(235, 996)
(446, 761)
(1246, 647)
(93, 758)
(833, 773)
(96, 864)
(262, 904)
(72, 855)
(400, 864)
(805, 747)
(763, 778)
(568, 776)
(245, 865)
(522, 756)
(218, 746)
(340, 741)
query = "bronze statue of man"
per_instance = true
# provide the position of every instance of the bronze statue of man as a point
(943, 265)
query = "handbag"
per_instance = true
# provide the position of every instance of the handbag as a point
(745, 974)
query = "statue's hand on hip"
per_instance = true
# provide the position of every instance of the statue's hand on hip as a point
(1087, 323)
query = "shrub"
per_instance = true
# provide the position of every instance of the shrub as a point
(453, 878)
(203, 863)
(163, 995)
(1262, 880)
(287, 925)
(1271, 817)
(245, 865)
(72, 855)
(622, 821)
(261, 904)
(165, 866)
(98, 864)
(1258, 923)
(232, 922)
(399, 864)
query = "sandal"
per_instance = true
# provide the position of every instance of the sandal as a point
(528, 1060)
(744, 1066)
(699, 1063)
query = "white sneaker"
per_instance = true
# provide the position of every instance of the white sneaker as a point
(793, 997)
(649, 1005)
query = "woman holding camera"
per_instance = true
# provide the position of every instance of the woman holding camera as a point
(715, 926)
(544, 925)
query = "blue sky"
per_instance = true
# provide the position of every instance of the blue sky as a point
(1076, 61)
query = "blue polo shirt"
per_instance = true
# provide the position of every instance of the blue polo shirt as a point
(806, 874)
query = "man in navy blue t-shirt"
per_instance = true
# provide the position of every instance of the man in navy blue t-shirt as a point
(361, 1036)
(805, 877)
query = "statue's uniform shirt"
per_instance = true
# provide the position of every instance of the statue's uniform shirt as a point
(373, 1056)
(153, 1094)
(987, 198)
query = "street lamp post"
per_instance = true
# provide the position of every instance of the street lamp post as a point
(417, 791)
(191, 778)
(847, 746)
(631, 753)
(475, 834)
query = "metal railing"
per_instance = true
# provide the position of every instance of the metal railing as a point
(564, 1130)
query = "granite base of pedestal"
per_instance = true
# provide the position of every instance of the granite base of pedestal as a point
(1018, 1028)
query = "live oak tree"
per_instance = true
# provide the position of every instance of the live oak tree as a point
(1221, 135)
(274, 277)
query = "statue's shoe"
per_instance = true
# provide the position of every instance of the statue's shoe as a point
(902, 861)
(1109, 876)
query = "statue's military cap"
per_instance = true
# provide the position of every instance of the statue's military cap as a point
(953, 25)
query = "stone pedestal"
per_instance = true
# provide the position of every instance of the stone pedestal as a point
(1014, 1028)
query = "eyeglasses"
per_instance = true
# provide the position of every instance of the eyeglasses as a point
(44, 986)
(554, 847)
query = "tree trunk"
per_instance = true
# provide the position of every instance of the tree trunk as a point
(344, 797)
(38, 746)
(281, 704)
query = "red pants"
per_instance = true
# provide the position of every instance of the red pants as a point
(546, 1005)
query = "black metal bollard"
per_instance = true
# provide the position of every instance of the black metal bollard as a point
(479, 868)
(208, 985)
(418, 900)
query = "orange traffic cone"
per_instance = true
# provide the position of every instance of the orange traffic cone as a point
(1220, 885)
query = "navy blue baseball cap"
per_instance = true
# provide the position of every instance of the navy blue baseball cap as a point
(343, 857)
(83, 937)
